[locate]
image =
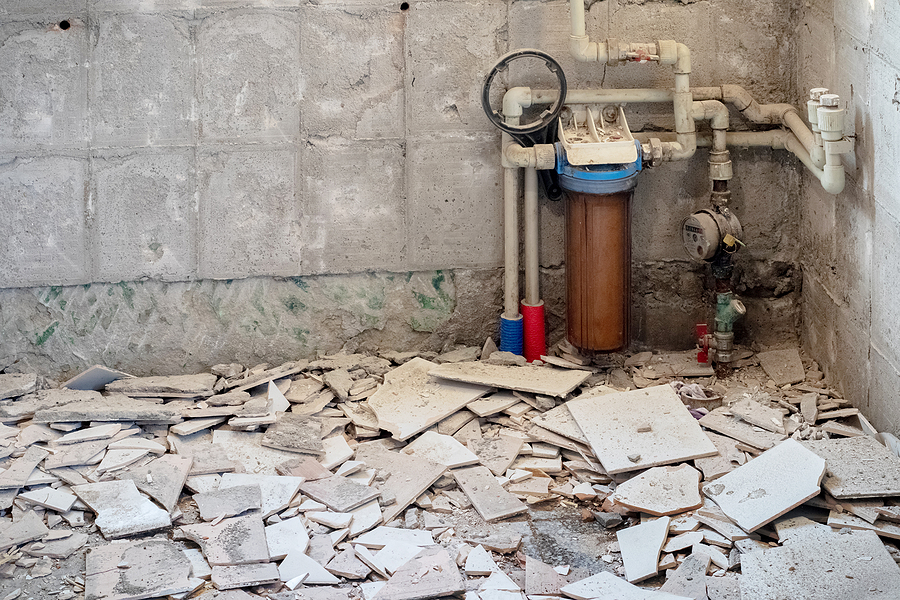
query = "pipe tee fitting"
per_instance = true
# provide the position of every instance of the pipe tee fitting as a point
(728, 310)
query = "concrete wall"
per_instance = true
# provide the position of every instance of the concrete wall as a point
(850, 241)
(190, 158)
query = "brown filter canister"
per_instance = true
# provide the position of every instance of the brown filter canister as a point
(598, 270)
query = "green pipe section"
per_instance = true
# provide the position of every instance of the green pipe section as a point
(728, 310)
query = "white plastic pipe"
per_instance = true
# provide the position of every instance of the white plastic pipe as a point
(539, 156)
(510, 238)
(532, 260)
(576, 9)
(514, 100)
(602, 96)
(832, 176)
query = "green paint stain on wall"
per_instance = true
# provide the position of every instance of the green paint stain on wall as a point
(440, 301)
(375, 302)
(258, 302)
(300, 283)
(301, 334)
(293, 304)
(43, 337)
(53, 293)
(127, 293)
(437, 280)
(62, 304)
(426, 302)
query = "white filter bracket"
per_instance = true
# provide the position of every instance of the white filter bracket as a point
(596, 135)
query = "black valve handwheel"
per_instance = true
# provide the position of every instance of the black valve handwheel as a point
(547, 117)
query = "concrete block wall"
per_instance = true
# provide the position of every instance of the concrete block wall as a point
(849, 241)
(198, 148)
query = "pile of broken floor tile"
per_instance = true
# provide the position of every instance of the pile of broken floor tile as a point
(342, 478)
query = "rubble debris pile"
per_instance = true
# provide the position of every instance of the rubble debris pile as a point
(411, 476)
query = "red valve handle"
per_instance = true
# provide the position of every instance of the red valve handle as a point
(702, 343)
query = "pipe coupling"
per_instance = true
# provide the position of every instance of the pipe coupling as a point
(720, 166)
(668, 51)
(724, 344)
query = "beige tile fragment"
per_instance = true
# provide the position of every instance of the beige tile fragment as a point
(640, 546)
(410, 400)
(768, 486)
(662, 490)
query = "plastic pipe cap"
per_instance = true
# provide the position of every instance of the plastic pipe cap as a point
(830, 100)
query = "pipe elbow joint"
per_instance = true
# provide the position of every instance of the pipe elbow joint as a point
(683, 149)
(683, 59)
(833, 179)
(515, 99)
(713, 111)
(539, 156)
(737, 96)
(582, 49)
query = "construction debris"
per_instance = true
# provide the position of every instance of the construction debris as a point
(348, 478)
(634, 430)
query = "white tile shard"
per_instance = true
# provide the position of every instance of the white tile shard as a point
(410, 400)
(640, 547)
(769, 485)
(668, 432)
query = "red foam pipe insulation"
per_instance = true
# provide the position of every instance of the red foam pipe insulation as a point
(535, 340)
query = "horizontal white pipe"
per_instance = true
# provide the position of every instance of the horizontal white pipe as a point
(832, 176)
(602, 96)
(745, 139)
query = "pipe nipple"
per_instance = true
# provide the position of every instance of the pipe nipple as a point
(720, 199)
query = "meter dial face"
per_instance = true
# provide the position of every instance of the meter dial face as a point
(700, 236)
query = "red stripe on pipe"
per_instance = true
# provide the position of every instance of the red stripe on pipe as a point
(535, 344)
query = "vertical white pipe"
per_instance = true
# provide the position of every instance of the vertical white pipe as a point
(511, 242)
(576, 8)
(532, 244)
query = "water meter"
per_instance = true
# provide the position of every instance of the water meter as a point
(707, 231)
